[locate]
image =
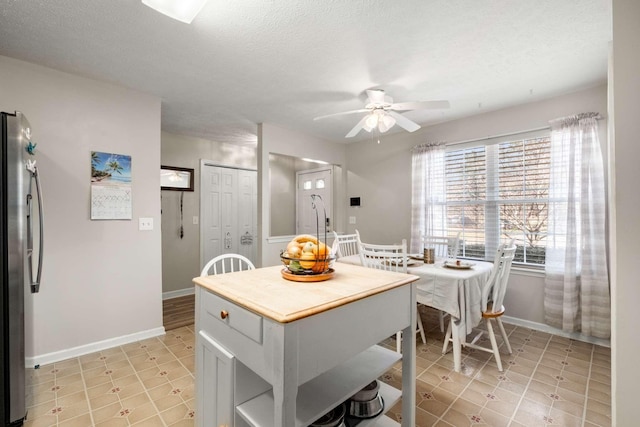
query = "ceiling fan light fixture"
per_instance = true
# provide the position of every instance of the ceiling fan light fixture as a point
(386, 123)
(180, 10)
(372, 121)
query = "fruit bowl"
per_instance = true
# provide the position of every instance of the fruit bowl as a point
(306, 255)
(304, 266)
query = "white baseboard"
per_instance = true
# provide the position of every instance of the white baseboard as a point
(57, 356)
(551, 330)
(178, 293)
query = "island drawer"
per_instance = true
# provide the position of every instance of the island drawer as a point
(237, 318)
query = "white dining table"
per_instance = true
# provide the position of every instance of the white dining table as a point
(455, 291)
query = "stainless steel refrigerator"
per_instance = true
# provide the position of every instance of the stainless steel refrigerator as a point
(20, 194)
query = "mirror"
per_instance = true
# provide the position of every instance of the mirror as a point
(282, 183)
(177, 179)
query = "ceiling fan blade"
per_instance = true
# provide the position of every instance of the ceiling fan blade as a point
(357, 128)
(403, 122)
(425, 105)
(376, 96)
(362, 110)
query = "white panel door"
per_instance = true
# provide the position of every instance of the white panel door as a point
(247, 213)
(229, 212)
(318, 182)
(211, 193)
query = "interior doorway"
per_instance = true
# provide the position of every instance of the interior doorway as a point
(228, 211)
(319, 182)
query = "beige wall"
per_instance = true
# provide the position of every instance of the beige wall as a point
(181, 257)
(101, 279)
(381, 175)
(625, 226)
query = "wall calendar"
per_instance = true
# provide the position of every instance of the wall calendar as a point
(110, 186)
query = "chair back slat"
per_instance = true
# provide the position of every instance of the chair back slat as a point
(444, 246)
(384, 257)
(227, 263)
(496, 286)
(345, 245)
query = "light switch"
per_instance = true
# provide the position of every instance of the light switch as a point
(195, 220)
(145, 224)
(352, 220)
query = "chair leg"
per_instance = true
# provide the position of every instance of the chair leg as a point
(441, 321)
(504, 334)
(419, 326)
(447, 338)
(494, 345)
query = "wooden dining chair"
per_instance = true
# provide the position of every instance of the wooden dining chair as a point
(492, 300)
(444, 247)
(227, 263)
(345, 244)
(389, 258)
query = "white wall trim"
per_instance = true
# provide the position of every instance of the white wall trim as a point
(280, 239)
(524, 271)
(551, 330)
(57, 356)
(178, 293)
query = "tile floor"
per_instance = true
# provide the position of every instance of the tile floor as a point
(548, 381)
(146, 383)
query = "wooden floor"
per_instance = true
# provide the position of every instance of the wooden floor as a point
(178, 312)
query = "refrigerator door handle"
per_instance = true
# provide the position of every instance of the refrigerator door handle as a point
(35, 285)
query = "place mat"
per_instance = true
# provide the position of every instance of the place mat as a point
(460, 265)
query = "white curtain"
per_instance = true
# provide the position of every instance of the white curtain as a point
(428, 193)
(577, 295)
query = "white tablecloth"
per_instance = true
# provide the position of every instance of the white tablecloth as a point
(454, 291)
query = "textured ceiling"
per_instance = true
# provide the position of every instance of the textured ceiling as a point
(243, 62)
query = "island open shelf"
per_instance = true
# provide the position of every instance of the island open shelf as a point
(328, 390)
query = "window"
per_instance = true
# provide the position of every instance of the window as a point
(498, 192)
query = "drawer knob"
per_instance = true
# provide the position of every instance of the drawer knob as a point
(224, 314)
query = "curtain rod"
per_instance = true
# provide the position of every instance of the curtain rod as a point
(497, 136)
(504, 134)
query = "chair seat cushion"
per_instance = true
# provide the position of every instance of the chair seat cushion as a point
(490, 313)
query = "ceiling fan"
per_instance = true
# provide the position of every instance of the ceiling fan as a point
(382, 113)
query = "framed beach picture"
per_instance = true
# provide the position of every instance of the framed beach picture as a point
(110, 186)
(177, 179)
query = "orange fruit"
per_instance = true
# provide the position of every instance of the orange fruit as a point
(320, 266)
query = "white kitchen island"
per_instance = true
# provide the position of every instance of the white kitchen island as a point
(272, 352)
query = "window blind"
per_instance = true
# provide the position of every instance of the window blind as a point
(499, 192)
(466, 185)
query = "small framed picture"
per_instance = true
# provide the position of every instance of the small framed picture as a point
(176, 179)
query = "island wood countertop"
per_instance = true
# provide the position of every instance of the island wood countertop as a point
(265, 292)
